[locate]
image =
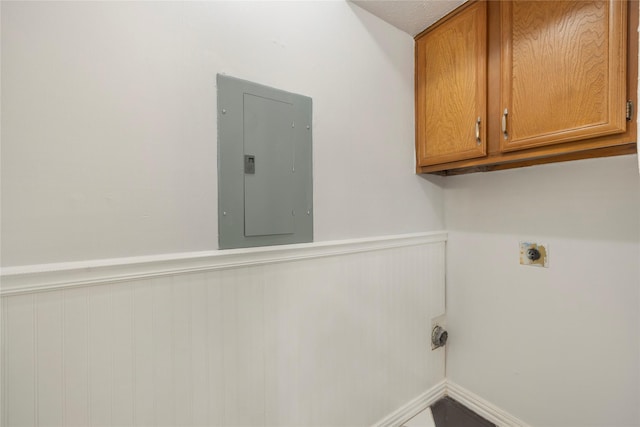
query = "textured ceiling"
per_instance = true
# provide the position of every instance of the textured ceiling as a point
(410, 16)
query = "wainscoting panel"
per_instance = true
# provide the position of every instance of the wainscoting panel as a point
(337, 339)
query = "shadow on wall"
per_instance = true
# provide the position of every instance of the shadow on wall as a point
(386, 44)
(585, 199)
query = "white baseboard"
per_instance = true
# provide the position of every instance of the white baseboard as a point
(482, 407)
(444, 388)
(414, 407)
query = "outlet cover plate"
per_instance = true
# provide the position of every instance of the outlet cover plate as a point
(542, 248)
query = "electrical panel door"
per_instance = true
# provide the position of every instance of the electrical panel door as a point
(264, 165)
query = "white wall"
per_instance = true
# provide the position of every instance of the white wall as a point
(109, 151)
(334, 340)
(109, 121)
(557, 346)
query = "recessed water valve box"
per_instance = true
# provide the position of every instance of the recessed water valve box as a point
(536, 254)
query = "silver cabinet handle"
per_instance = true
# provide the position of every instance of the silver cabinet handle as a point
(478, 131)
(504, 123)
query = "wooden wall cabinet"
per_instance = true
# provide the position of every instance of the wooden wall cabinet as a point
(503, 84)
(452, 88)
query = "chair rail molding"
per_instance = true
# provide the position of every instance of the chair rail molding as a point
(44, 277)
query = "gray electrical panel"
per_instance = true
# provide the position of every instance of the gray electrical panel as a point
(264, 165)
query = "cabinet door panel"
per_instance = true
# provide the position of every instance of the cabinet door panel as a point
(563, 71)
(451, 88)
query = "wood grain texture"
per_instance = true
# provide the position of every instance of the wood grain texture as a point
(335, 340)
(515, 159)
(600, 146)
(451, 87)
(563, 70)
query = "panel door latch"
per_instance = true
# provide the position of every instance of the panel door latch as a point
(249, 164)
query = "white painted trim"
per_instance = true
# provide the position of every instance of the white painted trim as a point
(414, 407)
(44, 277)
(444, 388)
(482, 407)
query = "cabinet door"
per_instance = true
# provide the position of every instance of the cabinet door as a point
(563, 71)
(451, 61)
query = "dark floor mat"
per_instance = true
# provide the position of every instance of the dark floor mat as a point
(449, 413)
